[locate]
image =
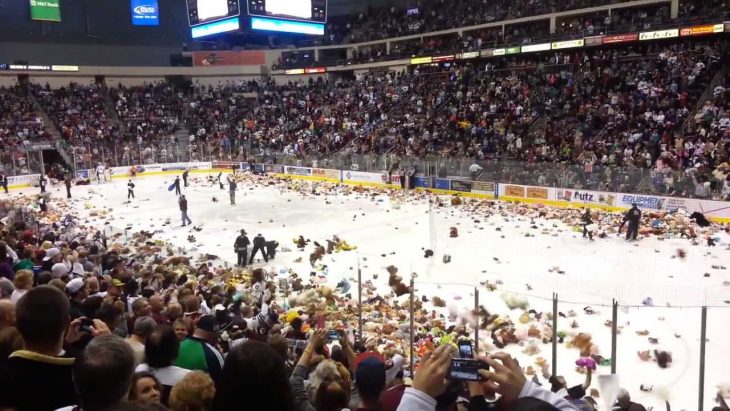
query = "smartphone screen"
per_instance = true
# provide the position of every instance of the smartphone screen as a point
(332, 335)
(463, 369)
(465, 350)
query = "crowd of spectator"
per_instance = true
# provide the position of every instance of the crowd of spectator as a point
(20, 126)
(100, 325)
(422, 17)
(600, 111)
(380, 23)
(81, 115)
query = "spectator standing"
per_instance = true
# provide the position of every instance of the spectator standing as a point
(7, 314)
(42, 319)
(197, 352)
(143, 327)
(102, 374)
(77, 293)
(23, 283)
(194, 393)
(161, 350)
(157, 308)
(253, 370)
(145, 388)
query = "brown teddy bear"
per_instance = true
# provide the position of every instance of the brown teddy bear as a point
(583, 342)
(396, 282)
(453, 232)
(316, 255)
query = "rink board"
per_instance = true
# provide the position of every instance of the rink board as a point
(718, 211)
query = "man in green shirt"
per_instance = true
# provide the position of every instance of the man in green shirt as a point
(198, 351)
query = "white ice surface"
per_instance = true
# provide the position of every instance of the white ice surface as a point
(595, 273)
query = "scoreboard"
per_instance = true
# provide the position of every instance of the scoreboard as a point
(302, 10)
(208, 17)
(290, 16)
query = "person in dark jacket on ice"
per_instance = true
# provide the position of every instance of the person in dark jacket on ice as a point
(241, 247)
(67, 180)
(183, 203)
(220, 180)
(185, 177)
(232, 190)
(177, 186)
(586, 220)
(4, 182)
(271, 249)
(259, 243)
(633, 217)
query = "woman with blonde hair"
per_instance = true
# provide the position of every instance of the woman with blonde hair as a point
(23, 283)
(195, 392)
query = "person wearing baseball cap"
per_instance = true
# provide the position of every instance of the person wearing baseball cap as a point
(198, 352)
(60, 270)
(77, 292)
(53, 256)
(369, 380)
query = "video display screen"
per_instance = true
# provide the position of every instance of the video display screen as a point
(206, 11)
(302, 10)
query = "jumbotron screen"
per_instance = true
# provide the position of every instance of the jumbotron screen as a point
(302, 10)
(288, 16)
(208, 17)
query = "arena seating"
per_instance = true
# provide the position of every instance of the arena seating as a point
(617, 106)
(19, 127)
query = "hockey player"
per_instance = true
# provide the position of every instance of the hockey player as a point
(259, 243)
(4, 182)
(183, 203)
(130, 190)
(241, 248)
(586, 221)
(100, 173)
(42, 181)
(633, 217)
(185, 177)
(177, 186)
(220, 180)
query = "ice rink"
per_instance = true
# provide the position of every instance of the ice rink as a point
(530, 262)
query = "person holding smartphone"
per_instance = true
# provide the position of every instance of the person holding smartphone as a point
(504, 377)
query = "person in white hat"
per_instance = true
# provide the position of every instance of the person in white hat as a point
(53, 256)
(77, 293)
(60, 270)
